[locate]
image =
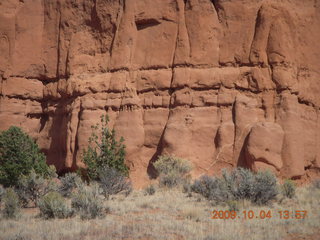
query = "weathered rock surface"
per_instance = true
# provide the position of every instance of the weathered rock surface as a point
(264, 146)
(222, 83)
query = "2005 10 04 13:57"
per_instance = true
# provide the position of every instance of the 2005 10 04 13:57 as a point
(262, 214)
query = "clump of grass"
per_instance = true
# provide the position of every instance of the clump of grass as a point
(145, 205)
(87, 202)
(186, 188)
(233, 205)
(20, 236)
(316, 184)
(288, 189)
(172, 171)
(191, 213)
(53, 205)
(11, 204)
(150, 190)
(2, 192)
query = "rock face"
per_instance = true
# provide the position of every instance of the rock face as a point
(264, 146)
(224, 83)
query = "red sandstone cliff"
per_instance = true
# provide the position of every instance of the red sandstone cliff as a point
(223, 83)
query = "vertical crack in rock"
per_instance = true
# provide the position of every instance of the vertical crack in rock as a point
(119, 19)
(186, 26)
(58, 44)
(217, 8)
(76, 141)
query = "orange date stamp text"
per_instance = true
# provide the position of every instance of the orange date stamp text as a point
(261, 214)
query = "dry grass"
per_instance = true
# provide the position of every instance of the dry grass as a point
(170, 214)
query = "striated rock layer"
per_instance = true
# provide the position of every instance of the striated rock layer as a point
(223, 83)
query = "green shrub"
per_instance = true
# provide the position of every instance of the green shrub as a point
(150, 190)
(112, 182)
(288, 189)
(212, 188)
(265, 188)
(11, 204)
(53, 205)
(238, 184)
(51, 172)
(87, 203)
(18, 155)
(104, 151)
(33, 186)
(69, 182)
(172, 171)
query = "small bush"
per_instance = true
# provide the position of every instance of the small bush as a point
(53, 205)
(265, 188)
(51, 172)
(316, 184)
(19, 154)
(69, 182)
(31, 187)
(104, 151)
(150, 190)
(11, 204)
(112, 182)
(87, 203)
(212, 188)
(239, 184)
(172, 171)
(288, 189)
(186, 187)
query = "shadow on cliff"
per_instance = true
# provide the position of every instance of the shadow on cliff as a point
(242, 160)
(152, 172)
(58, 134)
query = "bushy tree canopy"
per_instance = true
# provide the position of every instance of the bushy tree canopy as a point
(104, 151)
(18, 155)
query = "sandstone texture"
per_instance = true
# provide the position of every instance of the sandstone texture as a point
(223, 83)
